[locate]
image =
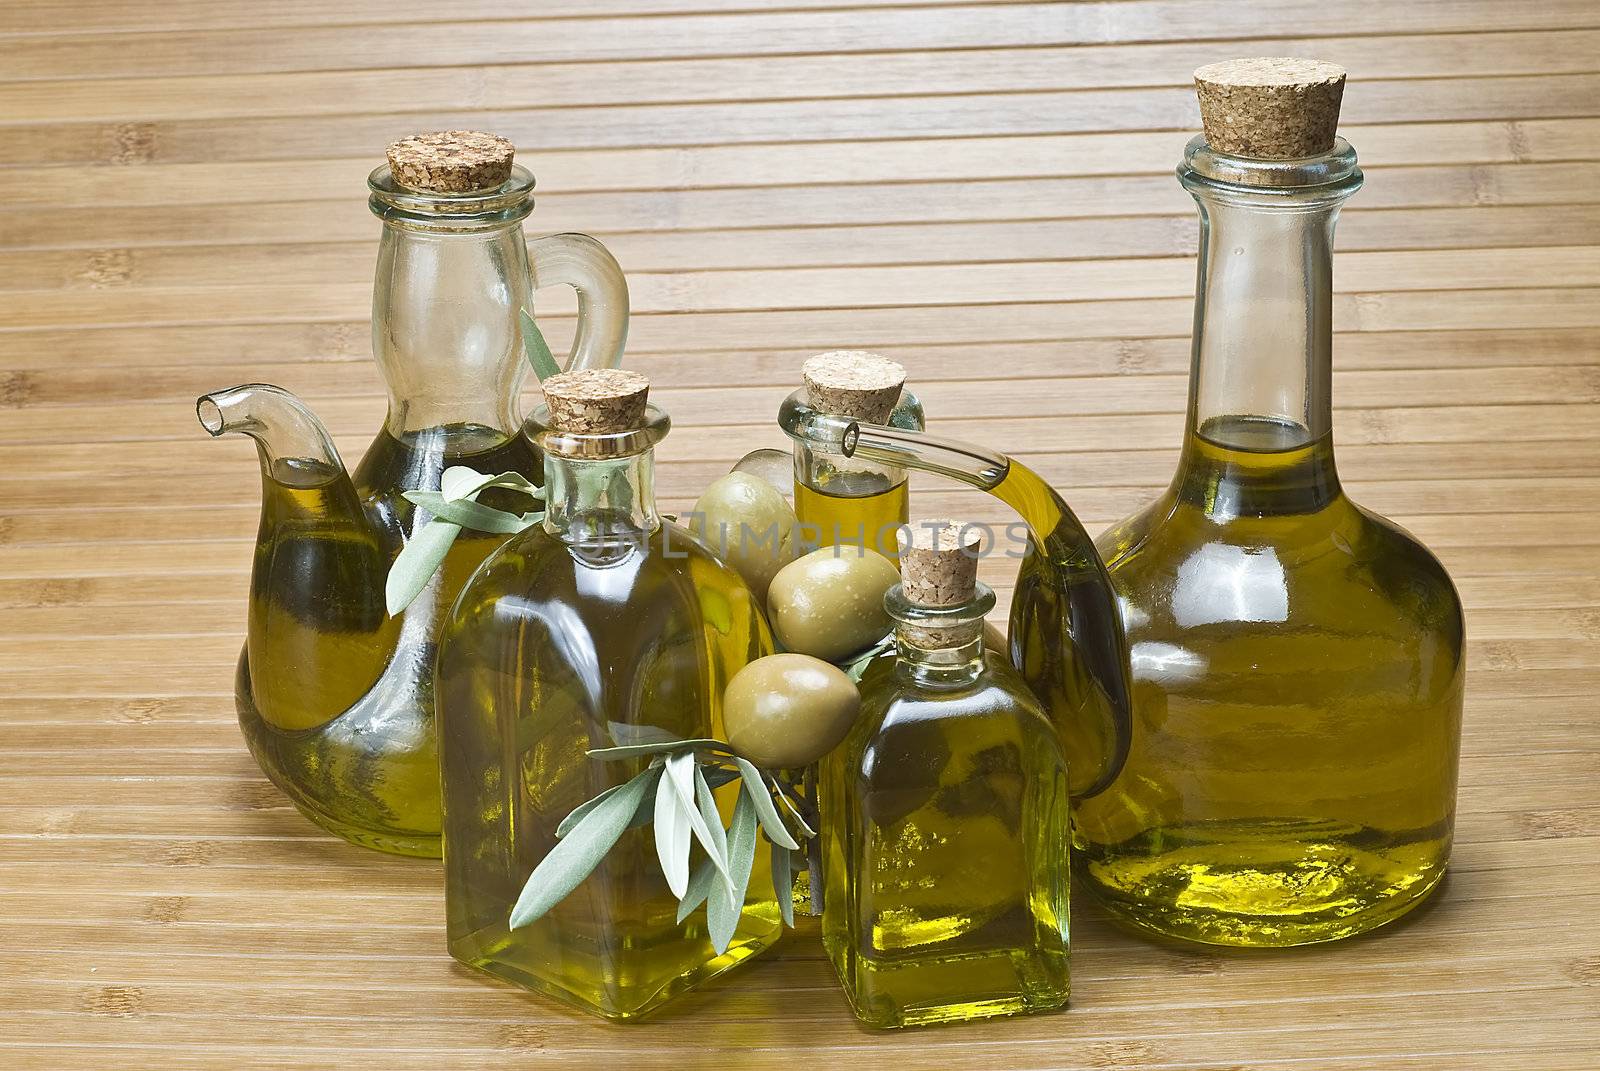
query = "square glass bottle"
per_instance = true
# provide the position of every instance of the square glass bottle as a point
(944, 815)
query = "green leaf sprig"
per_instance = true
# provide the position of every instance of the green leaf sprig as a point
(455, 505)
(675, 794)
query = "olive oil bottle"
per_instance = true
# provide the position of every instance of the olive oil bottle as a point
(1297, 659)
(335, 695)
(843, 502)
(572, 636)
(944, 816)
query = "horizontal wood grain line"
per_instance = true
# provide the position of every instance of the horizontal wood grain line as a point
(1478, 228)
(50, 18)
(946, 115)
(1565, 268)
(1112, 199)
(562, 173)
(764, 78)
(385, 45)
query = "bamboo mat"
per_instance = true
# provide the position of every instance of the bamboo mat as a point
(982, 190)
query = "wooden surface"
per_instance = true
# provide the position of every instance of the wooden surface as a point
(981, 190)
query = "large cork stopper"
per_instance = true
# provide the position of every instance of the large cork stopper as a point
(854, 384)
(596, 400)
(451, 161)
(939, 568)
(1270, 108)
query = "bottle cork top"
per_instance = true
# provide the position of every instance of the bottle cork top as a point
(854, 384)
(596, 400)
(451, 161)
(1270, 108)
(939, 562)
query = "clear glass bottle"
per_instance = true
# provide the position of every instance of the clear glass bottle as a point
(335, 696)
(603, 616)
(1297, 659)
(853, 501)
(945, 820)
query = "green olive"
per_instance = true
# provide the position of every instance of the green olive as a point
(829, 604)
(788, 710)
(748, 523)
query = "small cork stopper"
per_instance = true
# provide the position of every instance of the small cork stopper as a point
(939, 567)
(854, 384)
(1270, 108)
(451, 161)
(596, 400)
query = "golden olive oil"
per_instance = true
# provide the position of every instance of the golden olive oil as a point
(553, 643)
(944, 827)
(340, 716)
(853, 509)
(1297, 701)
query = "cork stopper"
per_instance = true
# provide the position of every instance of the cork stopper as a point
(1270, 108)
(854, 384)
(938, 568)
(596, 400)
(451, 161)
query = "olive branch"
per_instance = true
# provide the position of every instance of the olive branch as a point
(675, 794)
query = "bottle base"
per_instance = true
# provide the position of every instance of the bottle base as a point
(913, 994)
(619, 995)
(414, 846)
(1248, 899)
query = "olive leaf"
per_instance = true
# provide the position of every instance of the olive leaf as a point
(725, 903)
(712, 820)
(627, 733)
(577, 854)
(665, 747)
(684, 774)
(416, 563)
(459, 481)
(783, 797)
(705, 875)
(536, 349)
(466, 513)
(454, 507)
(672, 837)
(783, 883)
(771, 822)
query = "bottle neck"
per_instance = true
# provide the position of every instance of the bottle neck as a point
(939, 647)
(1261, 379)
(600, 500)
(445, 327)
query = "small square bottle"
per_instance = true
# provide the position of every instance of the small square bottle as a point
(945, 815)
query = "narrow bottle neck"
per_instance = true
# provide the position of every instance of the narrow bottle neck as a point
(1261, 382)
(939, 647)
(950, 665)
(600, 500)
(445, 327)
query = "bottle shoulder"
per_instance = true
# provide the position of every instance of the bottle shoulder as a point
(1343, 568)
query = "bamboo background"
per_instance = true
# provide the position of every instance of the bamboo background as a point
(981, 190)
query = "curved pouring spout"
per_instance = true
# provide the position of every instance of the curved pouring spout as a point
(316, 589)
(1066, 632)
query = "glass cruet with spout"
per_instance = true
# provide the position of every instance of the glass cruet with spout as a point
(1297, 659)
(335, 695)
(853, 501)
(603, 625)
(1065, 635)
(944, 814)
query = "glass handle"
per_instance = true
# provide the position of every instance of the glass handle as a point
(581, 262)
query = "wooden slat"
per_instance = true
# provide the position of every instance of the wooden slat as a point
(982, 189)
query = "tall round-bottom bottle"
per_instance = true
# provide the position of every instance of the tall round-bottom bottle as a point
(603, 623)
(1297, 660)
